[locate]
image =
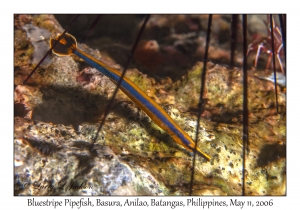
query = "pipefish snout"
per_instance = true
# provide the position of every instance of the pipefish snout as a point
(67, 45)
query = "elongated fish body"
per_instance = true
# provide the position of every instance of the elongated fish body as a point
(67, 45)
(280, 78)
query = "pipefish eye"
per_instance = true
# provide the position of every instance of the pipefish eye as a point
(63, 45)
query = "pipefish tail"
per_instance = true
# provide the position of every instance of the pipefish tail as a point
(67, 45)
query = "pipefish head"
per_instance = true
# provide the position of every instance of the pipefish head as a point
(63, 45)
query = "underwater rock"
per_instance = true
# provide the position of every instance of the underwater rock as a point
(38, 37)
(55, 152)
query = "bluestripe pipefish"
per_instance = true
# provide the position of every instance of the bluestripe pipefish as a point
(67, 45)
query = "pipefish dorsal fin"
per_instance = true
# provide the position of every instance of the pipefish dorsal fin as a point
(65, 46)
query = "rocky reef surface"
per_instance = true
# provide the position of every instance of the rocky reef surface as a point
(58, 112)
